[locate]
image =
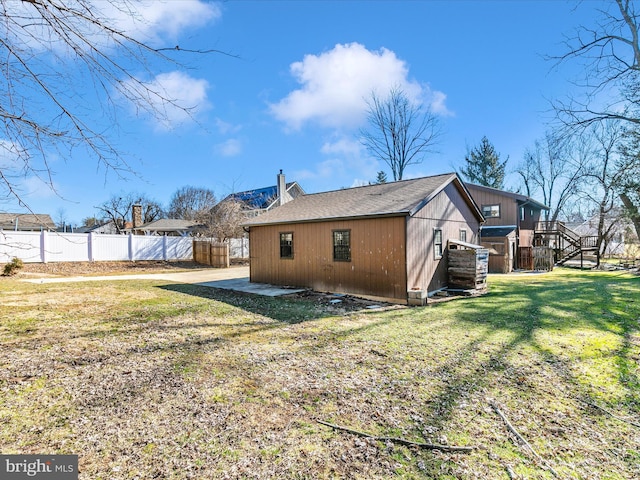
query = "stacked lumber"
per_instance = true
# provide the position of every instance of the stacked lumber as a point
(468, 268)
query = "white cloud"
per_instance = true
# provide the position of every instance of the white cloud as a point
(149, 21)
(229, 148)
(156, 20)
(345, 163)
(177, 98)
(336, 84)
(226, 128)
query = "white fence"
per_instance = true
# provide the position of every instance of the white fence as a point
(43, 247)
(239, 248)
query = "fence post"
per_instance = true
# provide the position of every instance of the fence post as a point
(43, 246)
(131, 252)
(164, 248)
(90, 246)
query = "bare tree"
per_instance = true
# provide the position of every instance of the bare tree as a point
(62, 220)
(191, 203)
(554, 168)
(630, 181)
(56, 54)
(610, 55)
(400, 133)
(118, 209)
(605, 176)
(225, 220)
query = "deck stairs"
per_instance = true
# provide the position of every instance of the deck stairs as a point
(566, 243)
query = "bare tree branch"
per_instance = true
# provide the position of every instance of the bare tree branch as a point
(54, 55)
(400, 134)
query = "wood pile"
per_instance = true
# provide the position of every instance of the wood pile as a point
(468, 268)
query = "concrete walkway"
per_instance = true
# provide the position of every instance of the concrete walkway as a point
(234, 278)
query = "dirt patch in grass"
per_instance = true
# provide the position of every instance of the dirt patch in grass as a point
(154, 380)
(69, 269)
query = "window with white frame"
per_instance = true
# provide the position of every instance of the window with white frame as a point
(491, 211)
(437, 242)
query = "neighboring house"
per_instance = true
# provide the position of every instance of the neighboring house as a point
(171, 227)
(510, 225)
(26, 222)
(262, 200)
(378, 241)
(620, 238)
(103, 228)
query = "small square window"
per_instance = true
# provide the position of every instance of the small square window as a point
(437, 242)
(286, 245)
(342, 245)
(491, 211)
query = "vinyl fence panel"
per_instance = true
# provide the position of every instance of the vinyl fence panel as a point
(179, 248)
(68, 247)
(23, 245)
(147, 248)
(109, 247)
(36, 247)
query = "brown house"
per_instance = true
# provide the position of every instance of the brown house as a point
(511, 220)
(379, 241)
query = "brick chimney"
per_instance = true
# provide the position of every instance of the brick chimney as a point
(136, 215)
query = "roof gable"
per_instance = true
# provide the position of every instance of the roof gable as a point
(519, 198)
(400, 198)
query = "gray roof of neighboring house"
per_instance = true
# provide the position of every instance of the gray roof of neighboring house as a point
(26, 221)
(516, 196)
(169, 225)
(405, 197)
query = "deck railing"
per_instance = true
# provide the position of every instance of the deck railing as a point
(568, 243)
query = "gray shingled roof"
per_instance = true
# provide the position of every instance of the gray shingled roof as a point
(395, 198)
(516, 196)
(26, 221)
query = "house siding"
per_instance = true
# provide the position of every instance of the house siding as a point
(449, 212)
(508, 206)
(509, 213)
(378, 258)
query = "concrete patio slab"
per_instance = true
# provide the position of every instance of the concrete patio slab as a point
(243, 285)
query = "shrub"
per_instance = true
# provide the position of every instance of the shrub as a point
(13, 266)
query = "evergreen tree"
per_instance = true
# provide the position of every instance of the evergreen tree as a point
(381, 178)
(483, 166)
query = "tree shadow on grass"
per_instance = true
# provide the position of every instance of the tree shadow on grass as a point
(562, 308)
(282, 309)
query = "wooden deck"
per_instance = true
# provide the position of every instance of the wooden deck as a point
(566, 243)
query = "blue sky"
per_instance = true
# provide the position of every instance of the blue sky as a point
(292, 96)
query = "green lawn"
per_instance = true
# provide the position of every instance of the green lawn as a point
(152, 380)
